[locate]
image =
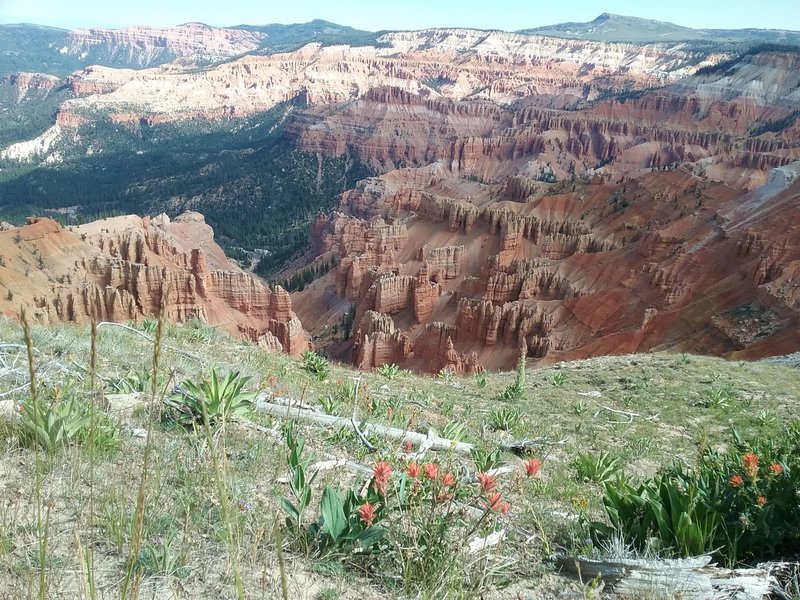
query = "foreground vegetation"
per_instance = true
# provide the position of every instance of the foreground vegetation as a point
(108, 493)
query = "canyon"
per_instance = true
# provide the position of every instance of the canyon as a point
(561, 198)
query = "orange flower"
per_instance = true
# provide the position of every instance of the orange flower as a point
(413, 470)
(532, 467)
(366, 512)
(736, 480)
(448, 480)
(487, 481)
(762, 500)
(775, 469)
(495, 500)
(750, 462)
(380, 475)
(431, 470)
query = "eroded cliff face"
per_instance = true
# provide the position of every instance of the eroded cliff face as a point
(662, 221)
(501, 68)
(124, 268)
(145, 46)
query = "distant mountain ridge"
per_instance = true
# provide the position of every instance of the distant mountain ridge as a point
(35, 48)
(619, 28)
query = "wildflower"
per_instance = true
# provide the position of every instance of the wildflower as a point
(448, 480)
(532, 467)
(775, 469)
(272, 380)
(431, 470)
(495, 500)
(504, 507)
(408, 446)
(750, 461)
(762, 500)
(413, 470)
(736, 480)
(245, 506)
(487, 481)
(380, 475)
(366, 513)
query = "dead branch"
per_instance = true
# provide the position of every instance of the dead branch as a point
(630, 416)
(417, 439)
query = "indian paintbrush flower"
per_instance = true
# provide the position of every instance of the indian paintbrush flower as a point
(532, 467)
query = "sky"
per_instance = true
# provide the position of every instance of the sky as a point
(374, 15)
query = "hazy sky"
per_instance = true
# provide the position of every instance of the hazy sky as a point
(399, 14)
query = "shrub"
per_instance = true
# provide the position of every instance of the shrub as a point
(516, 389)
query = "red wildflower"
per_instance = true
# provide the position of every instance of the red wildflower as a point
(504, 507)
(272, 380)
(532, 467)
(448, 480)
(750, 461)
(380, 475)
(487, 481)
(408, 446)
(413, 470)
(762, 500)
(736, 480)
(495, 500)
(775, 469)
(366, 513)
(431, 470)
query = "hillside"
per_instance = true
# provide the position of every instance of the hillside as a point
(190, 545)
(619, 28)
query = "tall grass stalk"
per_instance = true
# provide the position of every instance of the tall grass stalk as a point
(222, 496)
(42, 525)
(132, 571)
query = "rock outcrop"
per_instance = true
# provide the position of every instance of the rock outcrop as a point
(126, 268)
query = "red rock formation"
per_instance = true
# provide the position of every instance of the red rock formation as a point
(121, 268)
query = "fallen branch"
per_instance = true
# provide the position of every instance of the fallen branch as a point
(627, 414)
(417, 439)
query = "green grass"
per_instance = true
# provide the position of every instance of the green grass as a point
(202, 509)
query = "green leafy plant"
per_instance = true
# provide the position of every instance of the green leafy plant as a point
(316, 364)
(159, 557)
(220, 401)
(339, 528)
(737, 504)
(62, 421)
(504, 418)
(446, 374)
(390, 372)
(130, 383)
(517, 388)
(558, 378)
(481, 379)
(486, 459)
(718, 397)
(598, 467)
(454, 430)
